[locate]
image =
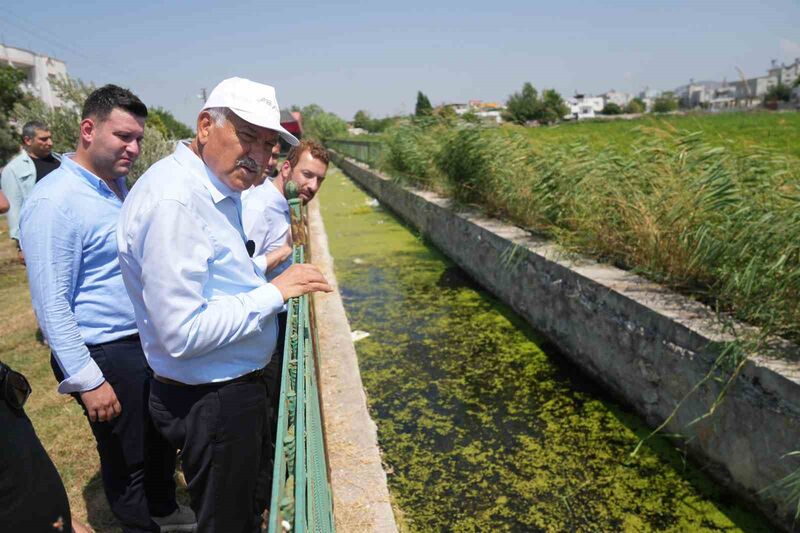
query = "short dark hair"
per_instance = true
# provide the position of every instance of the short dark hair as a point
(104, 100)
(30, 127)
(316, 150)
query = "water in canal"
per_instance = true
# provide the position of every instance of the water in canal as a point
(482, 428)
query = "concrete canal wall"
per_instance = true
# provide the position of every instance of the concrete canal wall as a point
(648, 346)
(358, 482)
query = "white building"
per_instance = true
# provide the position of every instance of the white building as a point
(696, 94)
(616, 97)
(582, 106)
(751, 92)
(786, 74)
(40, 71)
(724, 97)
(488, 111)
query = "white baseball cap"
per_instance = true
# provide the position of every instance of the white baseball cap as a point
(251, 101)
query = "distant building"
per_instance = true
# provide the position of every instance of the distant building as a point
(616, 97)
(460, 109)
(696, 94)
(488, 111)
(648, 97)
(40, 70)
(751, 92)
(785, 74)
(724, 97)
(582, 106)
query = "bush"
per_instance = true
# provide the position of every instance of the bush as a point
(665, 103)
(778, 93)
(635, 106)
(611, 109)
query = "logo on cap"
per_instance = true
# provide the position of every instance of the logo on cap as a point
(269, 102)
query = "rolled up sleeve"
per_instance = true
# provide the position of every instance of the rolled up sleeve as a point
(53, 250)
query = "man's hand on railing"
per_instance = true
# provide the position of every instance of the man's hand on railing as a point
(301, 279)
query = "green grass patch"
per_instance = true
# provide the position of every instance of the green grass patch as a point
(739, 131)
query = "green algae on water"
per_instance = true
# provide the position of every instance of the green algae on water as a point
(481, 429)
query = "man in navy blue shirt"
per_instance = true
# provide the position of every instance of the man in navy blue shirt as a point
(68, 229)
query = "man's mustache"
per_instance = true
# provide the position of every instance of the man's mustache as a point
(248, 163)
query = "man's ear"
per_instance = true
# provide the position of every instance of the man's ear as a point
(204, 124)
(286, 169)
(87, 130)
(27, 141)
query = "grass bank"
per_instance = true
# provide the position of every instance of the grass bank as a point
(708, 205)
(779, 132)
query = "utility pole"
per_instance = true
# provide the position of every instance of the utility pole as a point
(203, 94)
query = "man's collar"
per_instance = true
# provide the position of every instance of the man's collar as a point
(68, 163)
(192, 162)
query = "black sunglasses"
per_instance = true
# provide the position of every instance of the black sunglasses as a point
(14, 387)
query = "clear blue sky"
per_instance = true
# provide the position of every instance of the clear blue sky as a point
(347, 56)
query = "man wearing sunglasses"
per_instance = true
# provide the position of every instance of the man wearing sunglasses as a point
(32, 496)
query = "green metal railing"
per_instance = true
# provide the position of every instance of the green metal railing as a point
(301, 493)
(369, 152)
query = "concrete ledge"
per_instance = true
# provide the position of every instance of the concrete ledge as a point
(646, 345)
(360, 491)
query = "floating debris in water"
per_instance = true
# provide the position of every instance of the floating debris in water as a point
(357, 335)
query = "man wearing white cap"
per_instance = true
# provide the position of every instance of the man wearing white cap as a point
(205, 311)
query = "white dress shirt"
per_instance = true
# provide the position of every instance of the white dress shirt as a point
(267, 222)
(205, 311)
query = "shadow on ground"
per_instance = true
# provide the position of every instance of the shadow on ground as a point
(98, 513)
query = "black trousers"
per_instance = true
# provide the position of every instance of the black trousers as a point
(224, 433)
(137, 464)
(32, 496)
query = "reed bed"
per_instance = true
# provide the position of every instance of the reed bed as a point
(718, 222)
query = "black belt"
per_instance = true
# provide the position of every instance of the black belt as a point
(255, 375)
(129, 338)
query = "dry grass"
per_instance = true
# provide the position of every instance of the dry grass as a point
(58, 419)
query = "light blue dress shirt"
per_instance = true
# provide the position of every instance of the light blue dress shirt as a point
(204, 309)
(68, 234)
(267, 222)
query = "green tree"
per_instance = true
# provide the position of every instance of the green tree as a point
(665, 103)
(324, 126)
(778, 93)
(552, 108)
(173, 129)
(423, 107)
(310, 111)
(10, 94)
(611, 109)
(524, 106)
(446, 113)
(362, 120)
(635, 106)
(527, 105)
